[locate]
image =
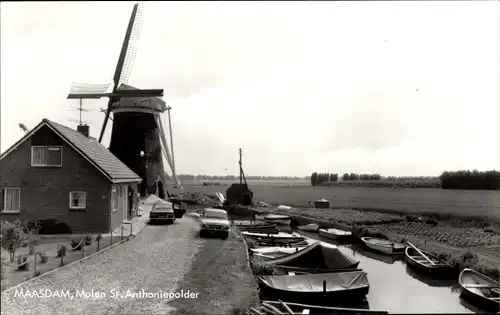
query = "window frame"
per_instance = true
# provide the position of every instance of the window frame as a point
(4, 210)
(71, 207)
(32, 164)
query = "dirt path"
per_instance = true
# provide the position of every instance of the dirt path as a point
(157, 259)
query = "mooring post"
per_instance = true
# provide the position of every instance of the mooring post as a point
(83, 247)
(34, 265)
(324, 287)
(121, 238)
(111, 238)
(131, 227)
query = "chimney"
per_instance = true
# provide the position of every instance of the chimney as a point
(83, 129)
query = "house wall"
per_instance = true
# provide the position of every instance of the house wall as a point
(117, 216)
(45, 191)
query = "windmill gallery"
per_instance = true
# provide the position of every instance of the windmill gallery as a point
(132, 164)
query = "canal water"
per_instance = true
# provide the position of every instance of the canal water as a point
(398, 289)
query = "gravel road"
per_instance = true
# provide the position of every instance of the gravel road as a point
(154, 261)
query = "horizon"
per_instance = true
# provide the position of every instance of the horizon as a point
(390, 88)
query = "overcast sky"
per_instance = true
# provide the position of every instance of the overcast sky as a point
(396, 88)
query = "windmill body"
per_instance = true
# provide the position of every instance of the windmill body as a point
(135, 130)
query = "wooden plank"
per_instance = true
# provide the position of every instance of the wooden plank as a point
(420, 252)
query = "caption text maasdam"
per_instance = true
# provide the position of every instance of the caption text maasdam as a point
(93, 294)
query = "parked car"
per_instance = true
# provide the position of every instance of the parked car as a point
(162, 211)
(215, 221)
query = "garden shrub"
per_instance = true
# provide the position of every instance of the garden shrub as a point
(22, 262)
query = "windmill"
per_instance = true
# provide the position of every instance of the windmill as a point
(137, 136)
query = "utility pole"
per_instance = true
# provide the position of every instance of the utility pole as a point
(241, 178)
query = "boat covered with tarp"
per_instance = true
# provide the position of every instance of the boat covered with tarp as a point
(316, 256)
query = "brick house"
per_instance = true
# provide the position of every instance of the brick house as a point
(63, 174)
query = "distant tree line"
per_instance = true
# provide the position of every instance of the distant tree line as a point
(465, 179)
(234, 177)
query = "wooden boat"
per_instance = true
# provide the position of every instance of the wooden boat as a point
(316, 256)
(255, 226)
(291, 244)
(426, 263)
(262, 230)
(297, 308)
(278, 219)
(306, 271)
(312, 227)
(334, 233)
(384, 246)
(480, 290)
(276, 249)
(351, 285)
(273, 238)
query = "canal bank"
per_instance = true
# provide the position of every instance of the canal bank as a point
(464, 243)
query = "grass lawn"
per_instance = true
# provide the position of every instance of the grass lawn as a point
(473, 203)
(49, 246)
(221, 275)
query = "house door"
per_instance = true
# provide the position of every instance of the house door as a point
(125, 202)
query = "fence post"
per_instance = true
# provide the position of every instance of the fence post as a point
(34, 264)
(131, 222)
(83, 247)
(111, 238)
(121, 238)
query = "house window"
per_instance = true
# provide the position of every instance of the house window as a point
(77, 200)
(11, 200)
(46, 155)
(114, 198)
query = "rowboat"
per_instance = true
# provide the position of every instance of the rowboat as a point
(316, 256)
(480, 290)
(313, 227)
(383, 246)
(297, 308)
(305, 271)
(334, 233)
(426, 263)
(255, 226)
(291, 244)
(276, 249)
(278, 219)
(351, 285)
(281, 237)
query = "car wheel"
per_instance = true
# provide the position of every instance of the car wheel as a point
(202, 233)
(224, 235)
(171, 221)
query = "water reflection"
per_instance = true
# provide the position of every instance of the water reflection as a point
(430, 281)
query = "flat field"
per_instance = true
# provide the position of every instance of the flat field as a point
(473, 203)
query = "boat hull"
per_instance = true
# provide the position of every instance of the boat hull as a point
(334, 236)
(279, 221)
(386, 250)
(441, 271)
(474, 298)
(309, 228)
(314, 297)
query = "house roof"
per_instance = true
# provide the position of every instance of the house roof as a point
(93, 151)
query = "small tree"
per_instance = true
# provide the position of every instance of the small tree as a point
(98, 239)
(12, 237)
(314, 179)
(345, 176)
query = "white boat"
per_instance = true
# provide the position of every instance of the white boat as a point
(312, 227)
(334, 233)
(276, 250)
(384, 246)
(278, 219)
